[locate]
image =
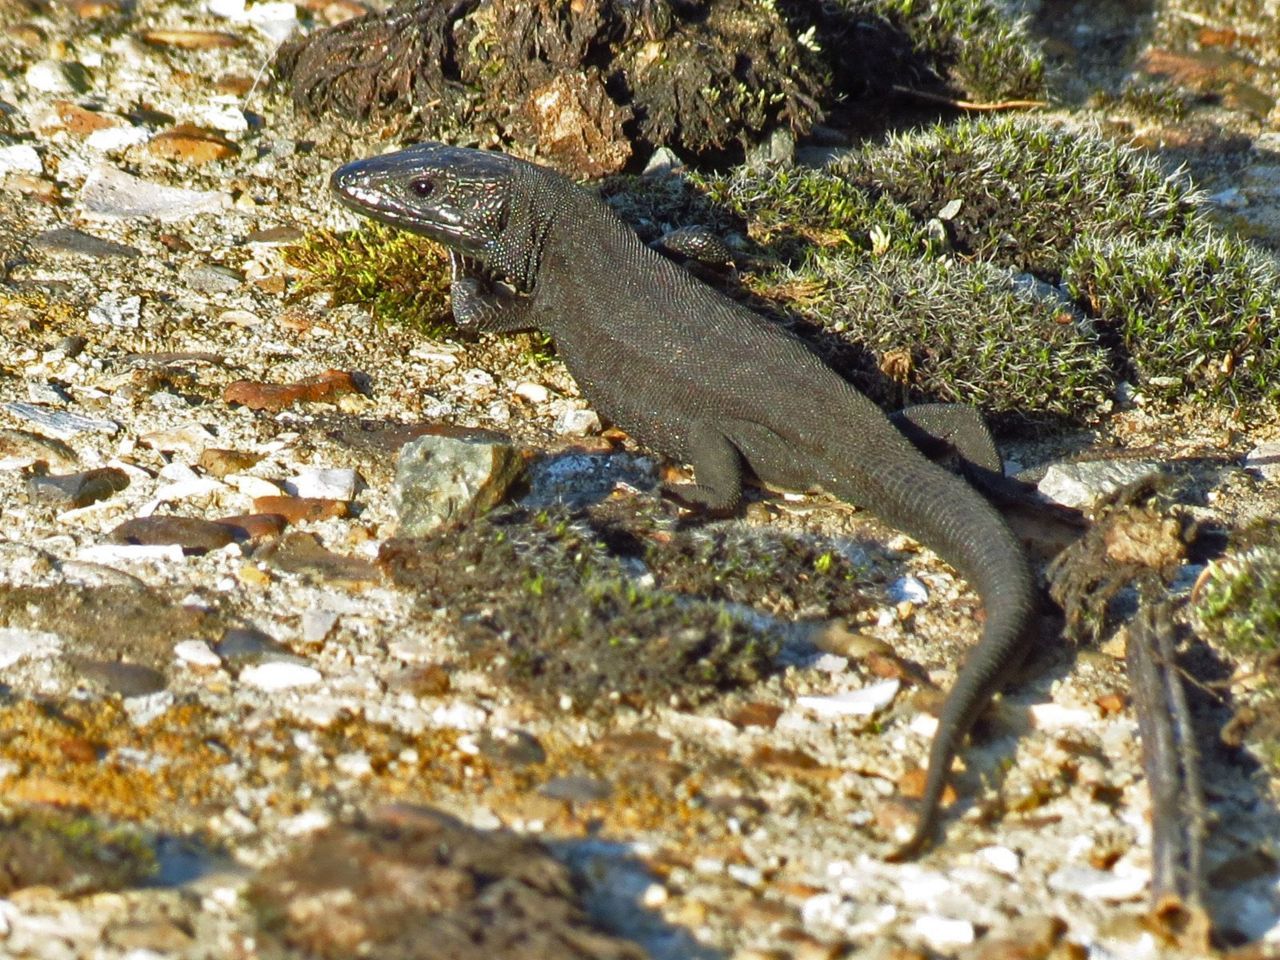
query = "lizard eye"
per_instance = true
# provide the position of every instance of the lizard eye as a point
(423, 187)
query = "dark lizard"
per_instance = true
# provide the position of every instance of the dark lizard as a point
(707, 382)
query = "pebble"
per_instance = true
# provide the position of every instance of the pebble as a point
(325, 483)
(578, 423)
(118, 311)
(1265, 459)
(194, 535)
(442, 479)
(853, 703)
(56, 76)
(112, 194)
(300, 509)
(317, 624)
(61, 423)
(148, 705)
(577, 789)
(908, 589)
(255, 487)
(71, 491)
(533, 392)
(1122, 882)
(126, 679)
(20, 158)
(354, 764)
(1053, 716)
(942, 933)
(1001, 859)
(78, 243)
(220, 462)
(1080, 484)
(21, 448)
(197, 653)
(243, 645)
(324, 387)
(19, 644)
(115, 139)
(186, 439)
(279, 675)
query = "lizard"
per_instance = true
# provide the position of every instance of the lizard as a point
(707, 382)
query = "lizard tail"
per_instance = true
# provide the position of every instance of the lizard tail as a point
(942, 511)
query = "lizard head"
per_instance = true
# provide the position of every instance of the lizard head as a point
(452, 195)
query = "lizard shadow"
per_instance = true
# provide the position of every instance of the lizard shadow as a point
(613, 884)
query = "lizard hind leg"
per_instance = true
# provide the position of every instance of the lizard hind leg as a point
(944, 431)
(717, 468)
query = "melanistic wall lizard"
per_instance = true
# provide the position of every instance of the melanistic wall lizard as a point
(705, 381)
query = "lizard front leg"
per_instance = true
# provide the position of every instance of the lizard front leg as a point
(480, 305)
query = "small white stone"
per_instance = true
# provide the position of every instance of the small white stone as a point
(1052, 716)
(115, 139)
(252, 486)
(51, 76)
(1265, 458)
(224, 117)
(654, 896)
(910, 589)
(1122, 882)
(942, 933)
(114, 310)
(143, 709)
(279, 675)
(197, 488)
(354, 764)
(309, 821)
(18, 644)
(329, 483)
(190, 438)
(853, 703)
(578, 423)
(20, 158)
(316, 624)
(434, 354)
(459, 716)
(533, 392)
(197, 653)
(239, 318)
(1001, 859)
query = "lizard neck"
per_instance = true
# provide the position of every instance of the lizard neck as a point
(531, 215)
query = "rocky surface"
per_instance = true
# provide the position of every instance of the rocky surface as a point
(228, 690)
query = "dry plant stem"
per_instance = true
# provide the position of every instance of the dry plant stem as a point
(1178, 815)
(970, 104)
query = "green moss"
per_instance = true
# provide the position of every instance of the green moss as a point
(72, 853)
(1149, 101)
(1240, 602)
(961, 332)
(1026, 191)
(978, 46)
(400, 278)
(581, 628)
(1194, 315)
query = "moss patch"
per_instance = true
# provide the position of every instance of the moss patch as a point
(1193, 315)
(1240, 602)
(544, 605)
(73, 853)
(397, 276)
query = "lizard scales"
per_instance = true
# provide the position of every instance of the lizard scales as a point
(699, 378)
